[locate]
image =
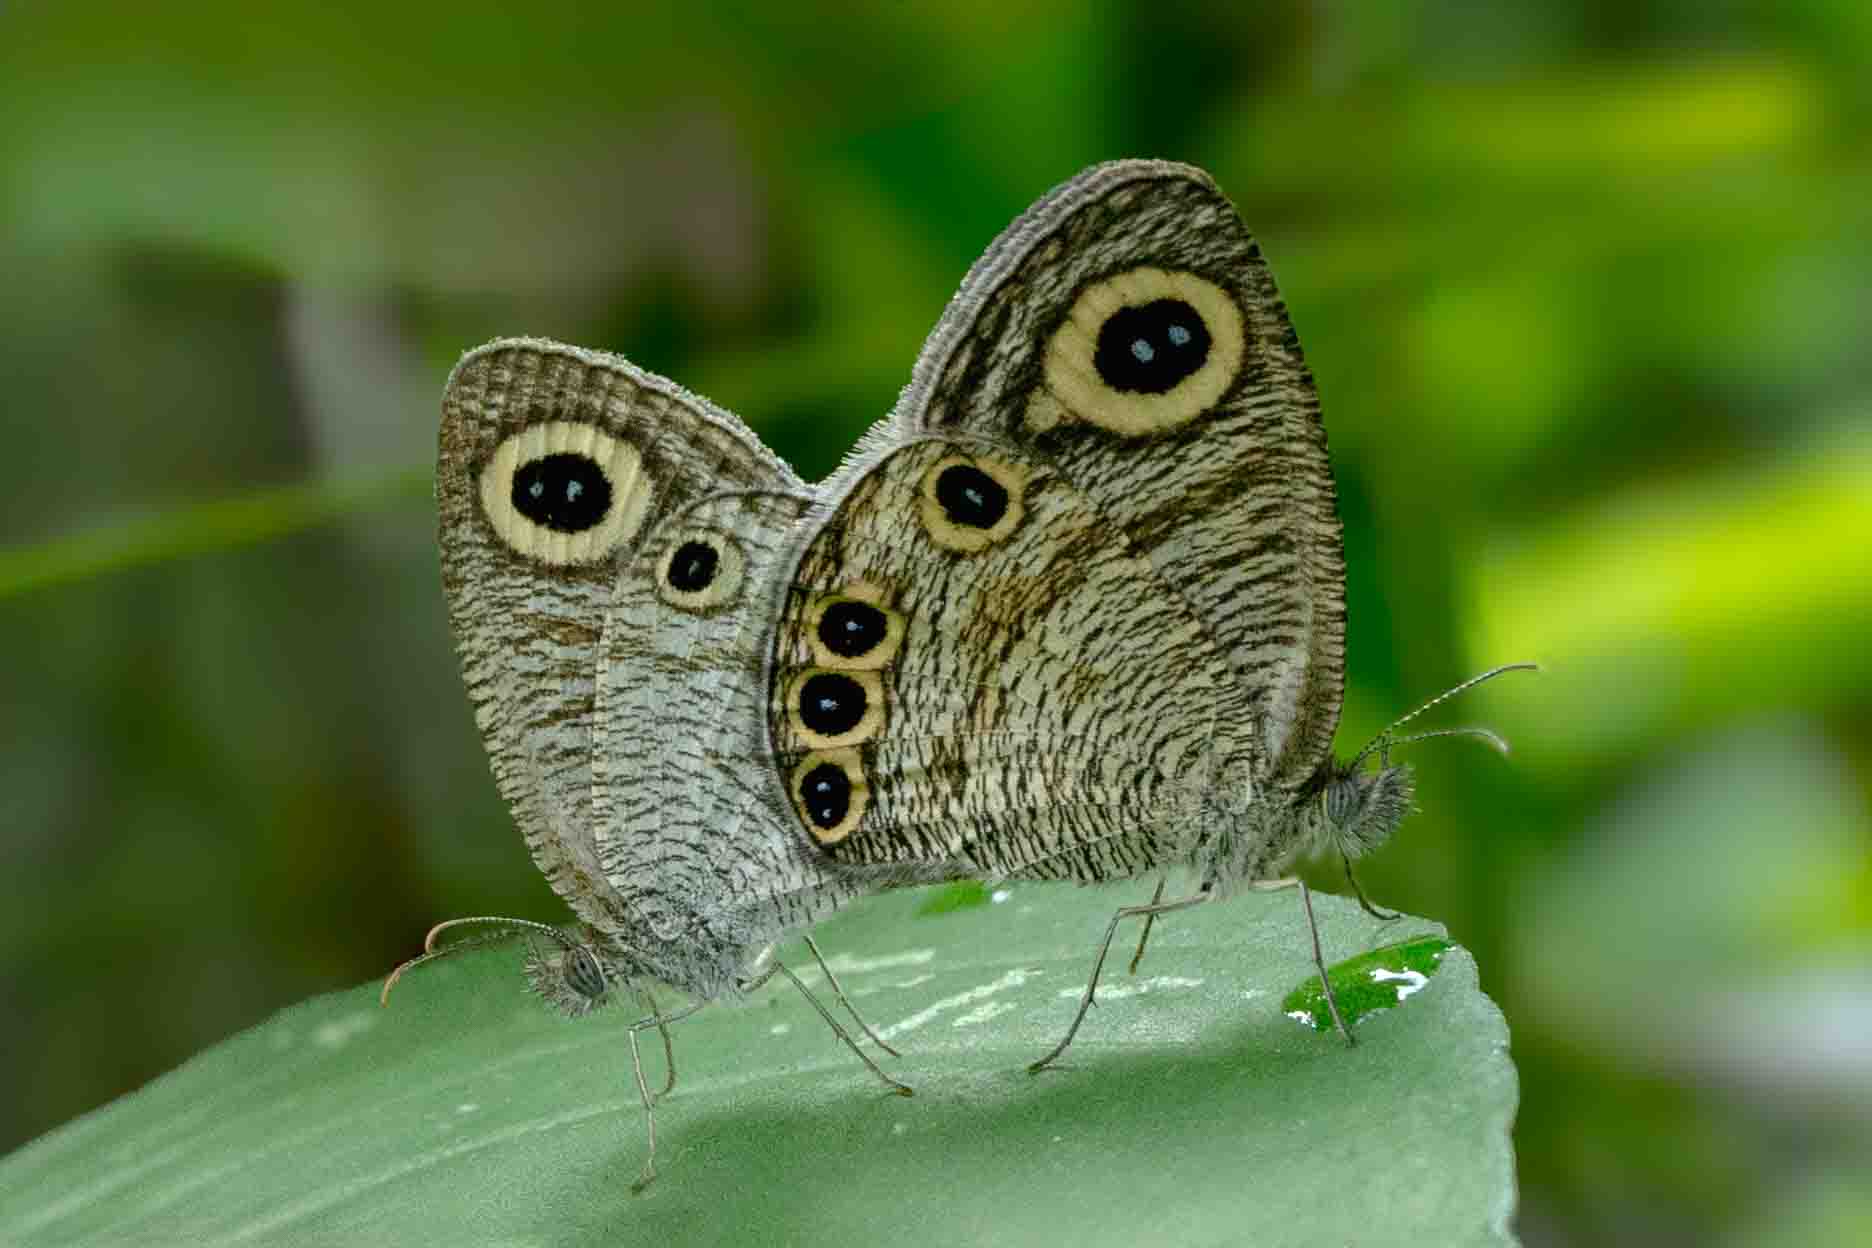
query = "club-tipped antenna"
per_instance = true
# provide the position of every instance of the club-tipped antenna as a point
(430, 953)
(1384, 740)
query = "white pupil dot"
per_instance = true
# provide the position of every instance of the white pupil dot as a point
(1179, 336)
(537, 489)
(574, 488)
(1142, 350)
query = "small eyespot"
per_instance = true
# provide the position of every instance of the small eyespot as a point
(830, 791)
(854, 629)
(970, 497)
(699, 570)
(692, 567)
(563, 493)
(1141, 352)
(971, 502)
(835, 708)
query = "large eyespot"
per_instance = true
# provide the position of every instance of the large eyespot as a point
(835, 708)
(830, 791)
(699, 570)
(1142, 351)
(971, 502)
(564, 493)
(853, 629)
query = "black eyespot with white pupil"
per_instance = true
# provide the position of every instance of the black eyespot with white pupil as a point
(831, 703)
(851, 629)
(566, 492)
(1151, 348)
(971, 497)
(826, 793)
(692, 568)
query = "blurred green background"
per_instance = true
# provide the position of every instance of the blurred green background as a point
(1585, 286)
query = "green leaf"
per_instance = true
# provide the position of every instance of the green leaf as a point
(1189, 1110)
(1378, 980)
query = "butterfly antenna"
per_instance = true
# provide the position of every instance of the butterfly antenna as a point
(1384, 740)
(430, 952)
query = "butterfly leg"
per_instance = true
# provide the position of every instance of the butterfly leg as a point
(901, 1089)
(1144, 935)
(1374, 911)
(1319, 959)
(669, 1050)
(649, 1107)
(851, 1009)
(661, 1022)
(1085, 1002)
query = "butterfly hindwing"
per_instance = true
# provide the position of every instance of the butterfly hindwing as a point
(688, 833)
(554, 464)
(973, 668)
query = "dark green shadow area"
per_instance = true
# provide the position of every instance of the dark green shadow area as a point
(1190, 1110)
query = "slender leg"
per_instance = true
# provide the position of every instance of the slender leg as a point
(649, 1106)
(1375, 912)
(661, 1022)
(839, 993)
(899, 1088)
(1319, 961)
(669, 1050)
(1144, 935)
(1085, 1002)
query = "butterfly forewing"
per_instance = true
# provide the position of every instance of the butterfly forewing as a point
(1127, 329)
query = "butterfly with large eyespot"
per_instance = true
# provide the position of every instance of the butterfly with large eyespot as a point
(1073, 611)
(1076, 609)
(604, 537)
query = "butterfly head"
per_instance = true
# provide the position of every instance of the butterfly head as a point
(1364, 807)
(569, 968)
(572, 975)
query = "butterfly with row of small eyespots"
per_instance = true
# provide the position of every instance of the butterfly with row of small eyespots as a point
(1074, 610)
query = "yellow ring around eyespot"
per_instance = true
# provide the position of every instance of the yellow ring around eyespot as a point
(858, 799)
(1072, 390)
(619, 461)
(869, 725)
(722, 589)
(961, 537)
(873, 659)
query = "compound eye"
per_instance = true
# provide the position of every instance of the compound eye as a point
(564, 493)
(582, 973)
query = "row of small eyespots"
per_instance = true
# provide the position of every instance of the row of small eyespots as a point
(837, 703)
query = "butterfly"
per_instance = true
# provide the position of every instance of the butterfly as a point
(1074, 610)
(603, 534)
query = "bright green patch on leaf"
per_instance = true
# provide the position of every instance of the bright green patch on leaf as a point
(1189, 1110)
(957, 896)
(1373, 981)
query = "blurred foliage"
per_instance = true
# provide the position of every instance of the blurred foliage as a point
(1584, 286)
